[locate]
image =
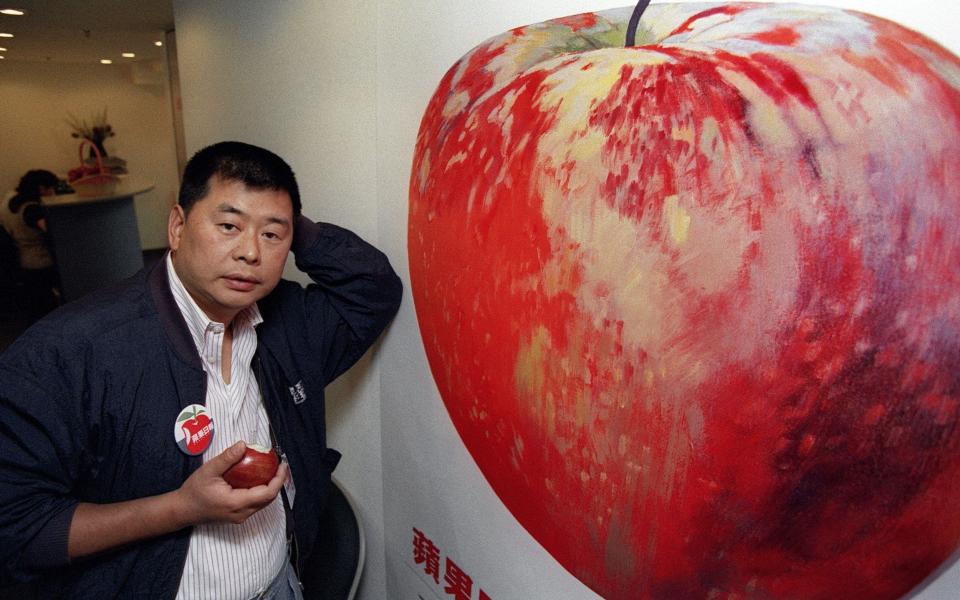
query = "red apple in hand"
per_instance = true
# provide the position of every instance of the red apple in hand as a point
(257, 467)
(694, 306)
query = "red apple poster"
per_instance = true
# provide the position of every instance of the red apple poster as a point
(691, 310)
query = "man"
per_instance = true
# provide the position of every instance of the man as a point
(109, 487)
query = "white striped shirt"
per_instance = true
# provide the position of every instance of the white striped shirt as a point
(227, 561)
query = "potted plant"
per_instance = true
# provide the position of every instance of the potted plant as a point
(96, 131)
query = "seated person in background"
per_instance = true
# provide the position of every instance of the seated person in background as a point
(24, 218)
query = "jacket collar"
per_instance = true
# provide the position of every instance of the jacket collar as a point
(171, 318)
(271, 337)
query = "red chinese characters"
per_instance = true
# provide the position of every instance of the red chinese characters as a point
(427, 554)
(458, 584)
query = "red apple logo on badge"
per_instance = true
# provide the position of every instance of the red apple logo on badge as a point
(693, 305)
(194, 429)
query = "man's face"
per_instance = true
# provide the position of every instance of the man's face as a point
(230, 249)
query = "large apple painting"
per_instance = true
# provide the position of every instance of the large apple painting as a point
(694, 306)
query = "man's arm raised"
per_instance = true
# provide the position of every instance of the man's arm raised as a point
(354, 295)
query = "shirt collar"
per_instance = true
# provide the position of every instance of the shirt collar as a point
(198, 323)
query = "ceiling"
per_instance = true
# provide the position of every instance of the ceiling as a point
(73, 31)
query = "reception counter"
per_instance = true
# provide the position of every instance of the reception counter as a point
(96, 241)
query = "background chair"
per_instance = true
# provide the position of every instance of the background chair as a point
(333, 571)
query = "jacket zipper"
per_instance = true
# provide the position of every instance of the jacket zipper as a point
(294, 547)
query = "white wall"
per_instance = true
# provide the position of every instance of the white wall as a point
(338, 88)
(36, 98)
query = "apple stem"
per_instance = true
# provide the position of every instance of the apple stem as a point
(634, 22)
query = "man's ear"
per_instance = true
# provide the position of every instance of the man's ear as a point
(175, 226)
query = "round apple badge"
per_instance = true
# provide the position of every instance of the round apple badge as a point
(193, 430)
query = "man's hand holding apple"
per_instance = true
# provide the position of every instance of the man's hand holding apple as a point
(205, 496)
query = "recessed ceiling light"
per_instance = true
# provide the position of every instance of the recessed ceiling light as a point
(3, 49)
(158, 43)
(106, 61)
(128, 55)
(7, 35)
(16, 12)
(2, 57)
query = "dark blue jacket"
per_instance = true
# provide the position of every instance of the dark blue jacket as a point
(89, 397)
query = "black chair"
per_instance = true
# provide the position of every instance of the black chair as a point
(333, 570)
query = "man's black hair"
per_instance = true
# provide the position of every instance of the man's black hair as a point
(255, 167)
